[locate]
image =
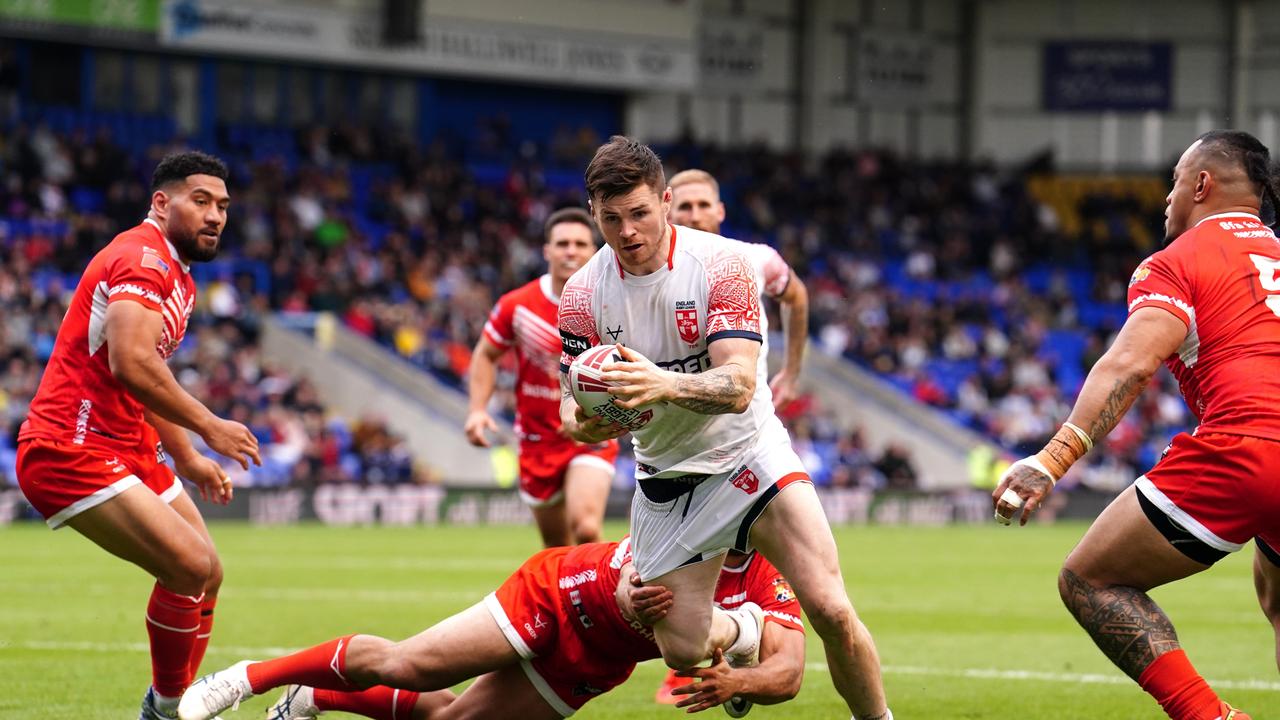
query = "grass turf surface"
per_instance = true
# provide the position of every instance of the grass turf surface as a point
(967, 619)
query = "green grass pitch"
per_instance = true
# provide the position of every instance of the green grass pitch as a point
(967, 619)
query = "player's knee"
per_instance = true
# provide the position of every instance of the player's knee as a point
(832, 617)
(586, 530)
(214, 583)
(682, 654)
(1072, 587)
(188, 573)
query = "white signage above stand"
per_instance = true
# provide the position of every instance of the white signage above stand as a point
(447, 45)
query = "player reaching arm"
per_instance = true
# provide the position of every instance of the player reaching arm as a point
(91, 452)
(1205, 306)
(696, 203)
(564, 483)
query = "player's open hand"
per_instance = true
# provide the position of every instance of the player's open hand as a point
(636, 381)
(478, 421)
(715, 685)
(783, 387)
(592, 429)
(214, 483)
(648, 603)
(1024, 485)
(231, 439)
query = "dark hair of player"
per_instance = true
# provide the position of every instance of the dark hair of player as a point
(621, 165)
(1248, 152)
(567, 215)
(177, 167)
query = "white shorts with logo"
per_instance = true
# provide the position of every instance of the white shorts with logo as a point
(715, 516)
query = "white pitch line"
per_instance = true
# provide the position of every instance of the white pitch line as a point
(967, 673)
(1039, 676)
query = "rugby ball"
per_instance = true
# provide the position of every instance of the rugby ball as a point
(592, 393)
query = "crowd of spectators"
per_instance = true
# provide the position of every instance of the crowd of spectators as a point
(911, 267)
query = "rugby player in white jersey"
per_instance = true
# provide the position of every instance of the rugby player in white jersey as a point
(695, 203)
(715, 470)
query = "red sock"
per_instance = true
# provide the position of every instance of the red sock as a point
(172, 624)
(378, 702)
(202, 635)
(322, 666)
(1179, 689)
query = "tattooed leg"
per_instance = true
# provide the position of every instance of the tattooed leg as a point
(1124, 622)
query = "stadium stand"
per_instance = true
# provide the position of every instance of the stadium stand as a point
(912, 268)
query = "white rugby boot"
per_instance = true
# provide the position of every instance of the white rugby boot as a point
(216, 692)
(297, 703)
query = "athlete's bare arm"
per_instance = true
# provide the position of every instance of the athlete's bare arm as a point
(726, 388)
(190, 465)
(795, 332)
(1148, 337)
(133, 332)
(482, 378)
(776, 679)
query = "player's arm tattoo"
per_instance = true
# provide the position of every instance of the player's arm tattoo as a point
(1123, 392)
(714, 392)
(1124, 622)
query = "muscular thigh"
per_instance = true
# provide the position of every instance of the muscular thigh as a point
(693, 589)
(139, 527)
(506, 692)
(1123, 547)
(794, 535)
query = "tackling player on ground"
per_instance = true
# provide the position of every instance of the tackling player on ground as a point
(716, 470)
(91, 453)
(566, 627)
(695, 203)
(1207, 306)
(565, 483)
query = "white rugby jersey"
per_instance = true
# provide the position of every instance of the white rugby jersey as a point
(773, 275)
(706, 291)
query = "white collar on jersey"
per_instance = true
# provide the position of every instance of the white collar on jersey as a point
(1227, 215)
(173, 251)
(544, 282)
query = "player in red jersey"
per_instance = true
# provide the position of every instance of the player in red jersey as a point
(695, 203)
(90, 452)
(1208, 307)
(565, 483)
(551, 638)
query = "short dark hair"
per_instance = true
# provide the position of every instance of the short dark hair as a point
(178, 166)
(567, 215)
(621, 165)
(1247, 152)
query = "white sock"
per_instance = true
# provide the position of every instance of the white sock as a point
(888, 715)
(746, 632)
(166, 705)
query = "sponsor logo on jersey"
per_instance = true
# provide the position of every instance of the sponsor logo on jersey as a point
(613, 332)
(745, 480)
(687, 321)
(1142, 273)
(690, 365)
(575, 599)
(782, 590)
(573, 345)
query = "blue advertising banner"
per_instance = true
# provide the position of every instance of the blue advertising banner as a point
(1120, 75)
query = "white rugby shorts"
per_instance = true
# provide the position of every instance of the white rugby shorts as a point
(715, 516)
